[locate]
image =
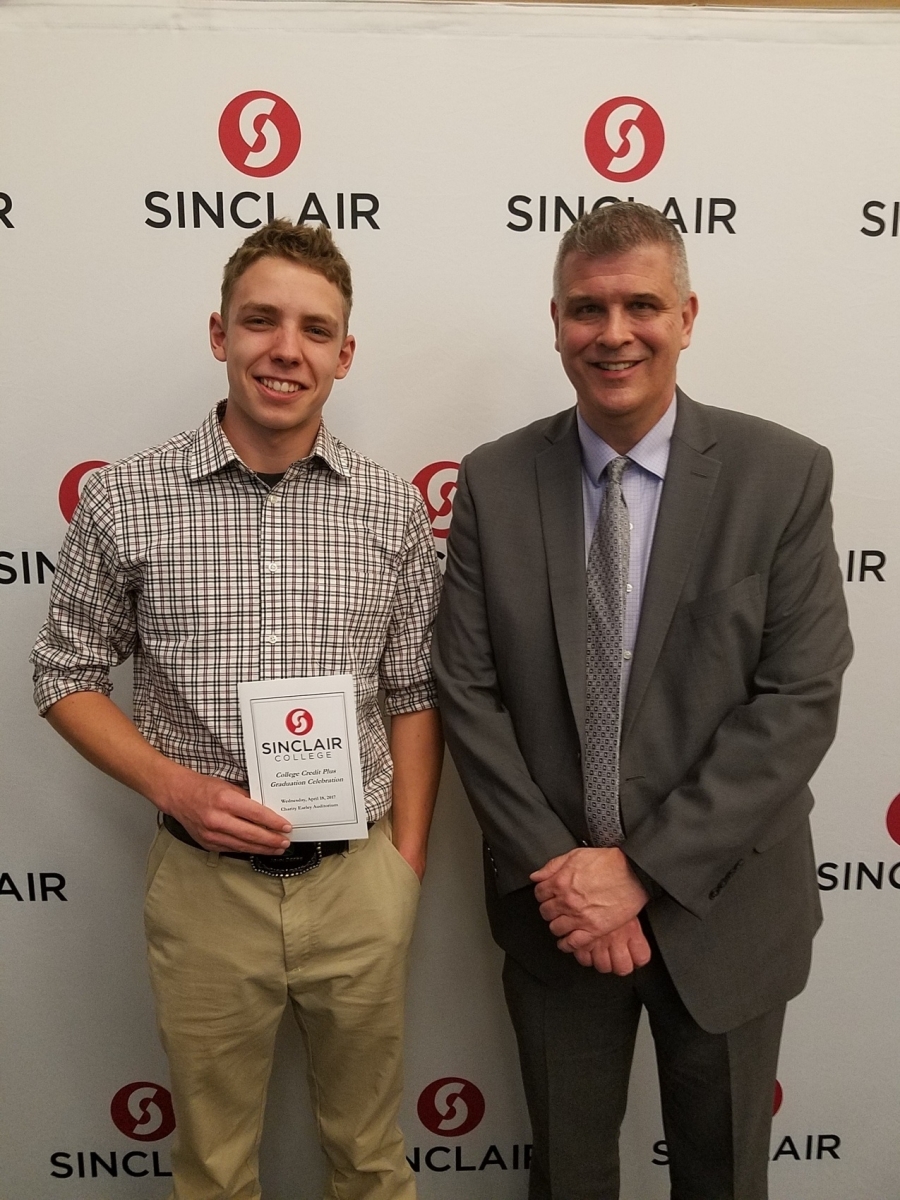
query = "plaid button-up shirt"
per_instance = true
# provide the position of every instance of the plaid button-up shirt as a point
(182, 557)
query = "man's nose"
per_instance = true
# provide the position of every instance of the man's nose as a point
(616, 330)
(288, 346)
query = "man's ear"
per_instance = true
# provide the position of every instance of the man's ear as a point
(554, 317)
(217, 336)
(345, 358)
(688, 317)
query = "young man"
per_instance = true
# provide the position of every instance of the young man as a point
(639, 656)
(261, 547)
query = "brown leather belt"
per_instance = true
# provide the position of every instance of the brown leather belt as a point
(298, 859)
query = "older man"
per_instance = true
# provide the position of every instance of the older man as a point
(639, 655)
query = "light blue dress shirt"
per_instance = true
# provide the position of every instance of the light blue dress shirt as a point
(642, 483)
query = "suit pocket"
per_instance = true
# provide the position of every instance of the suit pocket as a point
(746, 593)
(717, 647)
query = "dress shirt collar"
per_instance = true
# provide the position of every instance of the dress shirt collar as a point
(212, 450)
(651, 452)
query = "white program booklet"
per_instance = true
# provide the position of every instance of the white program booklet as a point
(302, 746)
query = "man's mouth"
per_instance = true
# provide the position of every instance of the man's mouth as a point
(280, 385)
(618, 366)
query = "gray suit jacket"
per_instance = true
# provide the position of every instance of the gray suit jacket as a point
(732, 700)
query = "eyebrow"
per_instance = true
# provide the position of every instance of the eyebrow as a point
(590, 298)
(252, 308)
(265, 310)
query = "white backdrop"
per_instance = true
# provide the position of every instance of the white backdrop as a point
(434, 118)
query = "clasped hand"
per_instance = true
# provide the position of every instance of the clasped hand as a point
(590, 898)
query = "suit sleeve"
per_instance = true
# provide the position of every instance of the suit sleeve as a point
(521, 829)
(749, 786)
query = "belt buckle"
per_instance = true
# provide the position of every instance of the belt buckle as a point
(286, 866)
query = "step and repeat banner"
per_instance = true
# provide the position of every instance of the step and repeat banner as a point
(447, 147)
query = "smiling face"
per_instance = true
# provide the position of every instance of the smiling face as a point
(620, 326)
(284, 343)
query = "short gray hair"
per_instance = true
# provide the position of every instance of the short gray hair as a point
(613, 228)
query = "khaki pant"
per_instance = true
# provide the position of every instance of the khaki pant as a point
(228, 949)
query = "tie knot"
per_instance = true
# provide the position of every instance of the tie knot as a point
(615, 468)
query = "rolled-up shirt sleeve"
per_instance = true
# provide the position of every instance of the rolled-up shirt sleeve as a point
(91, 625)
(405, 671)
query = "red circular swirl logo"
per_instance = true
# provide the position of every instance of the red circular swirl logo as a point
(893, 819)
(777, 1098)
(624, 139)
(299, 721)
(451, 1107)
(70, 488)
(437, 483)
(259, 134)
(143, 1111)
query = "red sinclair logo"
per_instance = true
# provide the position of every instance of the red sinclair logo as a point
(299, 721)
(259, 134)
(893, 819)
(624, 139)
(451, 1107)
(70, 488)
(437, 483)
(143, 1111)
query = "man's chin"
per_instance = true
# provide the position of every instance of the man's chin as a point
(610, 405)
(284, 418)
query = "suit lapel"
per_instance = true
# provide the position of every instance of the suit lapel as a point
(689, 485)
(562, 521)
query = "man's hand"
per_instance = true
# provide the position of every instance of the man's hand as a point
(416, 858)
(587, 894)
(220, 816)
(216, 814)
(617, 953)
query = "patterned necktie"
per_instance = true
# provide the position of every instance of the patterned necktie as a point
(607, 577)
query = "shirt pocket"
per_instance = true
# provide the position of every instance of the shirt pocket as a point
(351, 578)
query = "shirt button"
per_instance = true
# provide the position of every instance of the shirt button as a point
(272, 639)
(272, 566)
(629, 587)
(273, 499)
(626, 654)
(630, 525)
